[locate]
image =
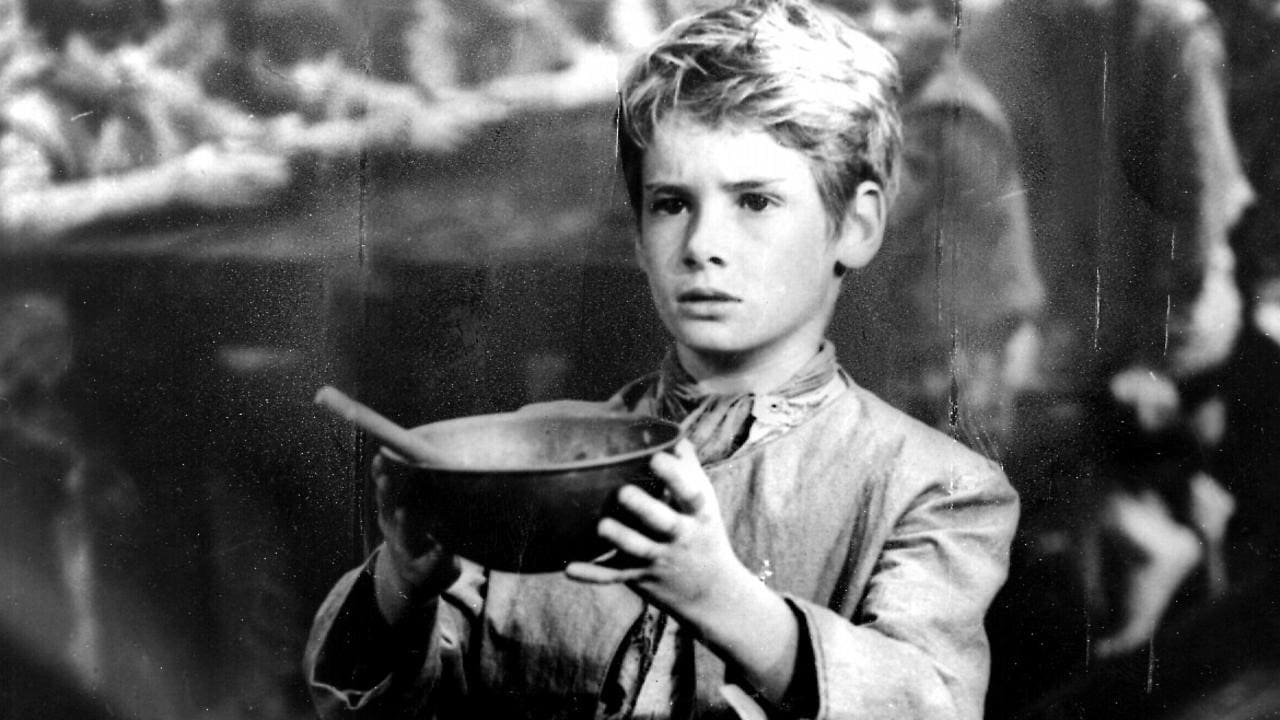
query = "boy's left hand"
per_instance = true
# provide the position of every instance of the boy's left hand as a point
(677, 554)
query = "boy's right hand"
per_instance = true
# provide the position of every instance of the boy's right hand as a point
(411, 568)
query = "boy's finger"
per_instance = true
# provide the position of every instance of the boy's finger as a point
(647, 513)
(600, 575)
(686, 481)
(630, 541)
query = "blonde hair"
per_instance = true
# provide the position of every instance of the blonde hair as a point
(813, 82)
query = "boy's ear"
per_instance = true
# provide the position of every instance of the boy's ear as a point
(863, 229)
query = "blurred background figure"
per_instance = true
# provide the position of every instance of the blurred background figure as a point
(75, 634)
(44, 548)
(94, 135)
(401, 75)
(91, 131)
(955, 281)
(337, 77)
(1134, 182)
(539, 53)
(1242, 399)
(1134, 185)
(1161, 515)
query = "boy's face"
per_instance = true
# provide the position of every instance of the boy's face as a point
(913, 30)
(737, 245)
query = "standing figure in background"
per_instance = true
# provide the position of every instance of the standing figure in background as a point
(93, 133)
(45, 549)
(939, 309)
(1134, 185)
(1245, 393)
(75, 633)
(1133, 179)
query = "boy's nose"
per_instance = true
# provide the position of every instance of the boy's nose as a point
(701, 243)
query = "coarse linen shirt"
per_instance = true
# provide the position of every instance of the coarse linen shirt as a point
(887, 538)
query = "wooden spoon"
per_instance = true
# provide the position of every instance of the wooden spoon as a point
(412, 447)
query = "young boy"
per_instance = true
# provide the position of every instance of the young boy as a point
(821, 554)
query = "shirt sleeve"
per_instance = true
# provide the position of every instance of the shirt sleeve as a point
(914, 646)
(358, 667)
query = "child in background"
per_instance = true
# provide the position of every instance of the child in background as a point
(822, 554)
(957, 275)
(64, 508)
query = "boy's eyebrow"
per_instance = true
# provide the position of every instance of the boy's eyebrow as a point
(736, 186)
(753, 184)
(662, 187)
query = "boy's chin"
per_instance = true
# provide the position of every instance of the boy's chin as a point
(723, 353)
(712, 351)
(710, 342)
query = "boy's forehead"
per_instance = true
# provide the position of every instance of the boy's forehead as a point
(679, 122)
(729, 151)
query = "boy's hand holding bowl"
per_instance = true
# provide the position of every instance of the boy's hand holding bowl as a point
(515, 492)
(676, 552)
(412, 567)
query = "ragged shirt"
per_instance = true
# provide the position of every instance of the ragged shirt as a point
(652, 675)
(888, 540)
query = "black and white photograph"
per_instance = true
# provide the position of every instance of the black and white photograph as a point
(640, 359)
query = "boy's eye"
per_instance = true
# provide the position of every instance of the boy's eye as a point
(754, 201)
(667, 205)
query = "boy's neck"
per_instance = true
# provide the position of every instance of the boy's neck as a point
(744, 373)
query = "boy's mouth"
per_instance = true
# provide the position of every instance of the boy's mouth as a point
(699, 295)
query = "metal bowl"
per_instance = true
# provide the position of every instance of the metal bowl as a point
(523, 492)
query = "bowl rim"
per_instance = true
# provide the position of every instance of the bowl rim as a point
(525, 416)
